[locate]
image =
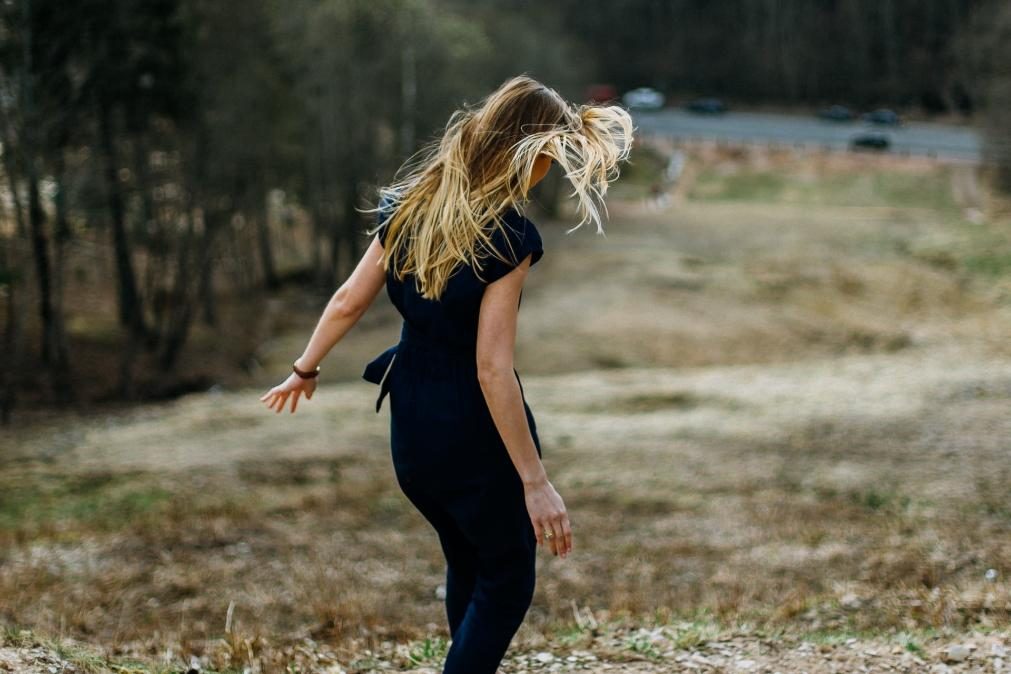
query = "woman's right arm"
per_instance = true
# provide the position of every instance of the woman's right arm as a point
(345, 308)
(496, 341)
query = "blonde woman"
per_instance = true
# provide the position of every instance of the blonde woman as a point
(453, 249)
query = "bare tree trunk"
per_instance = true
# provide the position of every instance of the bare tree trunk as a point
(40, 254)
(10, 168)
(261, 216)
(130, 309)
(182, 302)
(150, 226)
(12, 334)
(208, 303)
(185, 300)
(63, 383)
(54, 351)
(180, 305)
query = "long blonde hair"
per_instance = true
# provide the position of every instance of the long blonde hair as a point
(442, 199)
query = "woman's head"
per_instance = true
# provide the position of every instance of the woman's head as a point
(486, 161)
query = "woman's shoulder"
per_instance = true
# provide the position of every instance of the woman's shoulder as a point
(518, 228)
(514, 238)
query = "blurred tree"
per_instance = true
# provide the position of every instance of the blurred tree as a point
(862, 52)
(168, 127)
(234, 131)
(374, 78)
(985, 58)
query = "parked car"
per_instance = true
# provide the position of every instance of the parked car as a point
(836, 113)
(883, 116)
(601, 93)
(707, 106)
(879, 142)
(643, 98)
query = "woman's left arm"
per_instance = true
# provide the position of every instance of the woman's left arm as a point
(344, 309)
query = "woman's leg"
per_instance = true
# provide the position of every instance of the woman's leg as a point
(460, 554)
(496, 523)
(502, 596)
(461, 578)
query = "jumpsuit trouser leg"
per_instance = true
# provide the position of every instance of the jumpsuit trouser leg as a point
(490, 548)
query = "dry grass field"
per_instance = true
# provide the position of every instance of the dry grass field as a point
(777, 408)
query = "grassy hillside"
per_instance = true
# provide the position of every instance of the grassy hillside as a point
(776, 409)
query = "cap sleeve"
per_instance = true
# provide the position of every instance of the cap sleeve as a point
(519, 240)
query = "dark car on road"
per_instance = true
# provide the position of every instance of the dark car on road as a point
(707, 106)
(884, 117)
(836, 113)
(870, 141)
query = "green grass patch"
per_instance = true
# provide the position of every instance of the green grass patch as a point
(993, 264)
(428, 651)
(880, 500)
(98, 501)
(871, 188)
(743, 186)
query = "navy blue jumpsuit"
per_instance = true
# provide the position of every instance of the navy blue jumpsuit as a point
(449, 458)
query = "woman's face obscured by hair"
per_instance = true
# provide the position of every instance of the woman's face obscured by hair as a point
(541, 167)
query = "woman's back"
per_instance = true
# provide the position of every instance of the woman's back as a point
(452, 320)
(431, 373)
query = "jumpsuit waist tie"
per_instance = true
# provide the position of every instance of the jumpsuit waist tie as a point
(378, 369)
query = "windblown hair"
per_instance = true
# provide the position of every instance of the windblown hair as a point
(443, 199)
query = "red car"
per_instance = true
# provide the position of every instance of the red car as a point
(601, 93)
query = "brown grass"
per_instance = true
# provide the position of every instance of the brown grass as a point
(760, 414)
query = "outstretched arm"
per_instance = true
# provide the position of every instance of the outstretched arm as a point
(344, 309)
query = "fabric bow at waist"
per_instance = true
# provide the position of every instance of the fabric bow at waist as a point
(377, 372)
(378, 369)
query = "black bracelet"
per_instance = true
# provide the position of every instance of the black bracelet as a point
(305, 375)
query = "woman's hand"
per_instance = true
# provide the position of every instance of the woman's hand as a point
(548, 515)
(292, 385)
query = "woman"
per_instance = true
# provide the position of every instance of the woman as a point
(453, 249)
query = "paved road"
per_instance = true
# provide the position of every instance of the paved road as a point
(938, 140)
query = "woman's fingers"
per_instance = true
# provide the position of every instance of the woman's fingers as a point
(543, 534)
(559, 538)
(549, 538)
(554, 542)
(282, 398)
(566, 535)
(277, 397)
(550, 520)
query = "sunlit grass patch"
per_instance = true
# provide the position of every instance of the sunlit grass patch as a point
(872, 186)
(990, 264)
(55, 505)
(428, 651)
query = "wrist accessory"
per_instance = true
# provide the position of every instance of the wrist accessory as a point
(303, 374)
